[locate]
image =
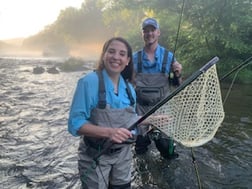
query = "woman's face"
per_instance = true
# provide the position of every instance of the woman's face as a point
(116, 57)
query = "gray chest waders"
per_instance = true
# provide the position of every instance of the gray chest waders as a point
(116, 159)
(150, 89)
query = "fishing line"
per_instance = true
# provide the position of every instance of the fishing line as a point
(247, 61)
(103, 176)
(192, 154)
(196, 168)
(237, 69)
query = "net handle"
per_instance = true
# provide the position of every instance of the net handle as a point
(194, 76)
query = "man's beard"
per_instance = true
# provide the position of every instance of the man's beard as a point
(150, 43)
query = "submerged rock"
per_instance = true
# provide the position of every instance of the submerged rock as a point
(53, 70)
(38, 70)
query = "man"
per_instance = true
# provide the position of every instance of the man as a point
(154, 66)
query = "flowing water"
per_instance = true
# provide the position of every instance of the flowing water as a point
(36, 150)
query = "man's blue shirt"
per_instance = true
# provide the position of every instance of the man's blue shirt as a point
(85, 99)
(156, 66)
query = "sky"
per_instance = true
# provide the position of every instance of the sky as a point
(22, 18)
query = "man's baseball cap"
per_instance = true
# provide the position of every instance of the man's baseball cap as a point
(150, 22)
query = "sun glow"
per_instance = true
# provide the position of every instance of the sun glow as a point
(27, 17)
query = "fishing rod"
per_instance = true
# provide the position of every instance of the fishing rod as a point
(247, 61)
(175, 77)
(178, 30)
(188, 81)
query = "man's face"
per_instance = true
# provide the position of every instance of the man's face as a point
(150, 35)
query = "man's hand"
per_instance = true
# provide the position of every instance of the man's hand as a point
(177, 69)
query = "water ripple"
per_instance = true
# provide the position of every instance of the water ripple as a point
(38, 152)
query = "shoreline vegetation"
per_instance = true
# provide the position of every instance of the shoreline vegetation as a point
(207, 29)
(74, 64)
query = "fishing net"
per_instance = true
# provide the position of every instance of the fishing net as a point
(193, 116)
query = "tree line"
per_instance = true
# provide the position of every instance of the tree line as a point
(208, 28)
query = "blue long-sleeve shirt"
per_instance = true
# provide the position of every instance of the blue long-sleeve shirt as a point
(156, 66)
(85, 99)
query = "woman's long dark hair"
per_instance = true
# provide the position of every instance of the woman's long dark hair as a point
(128, 72)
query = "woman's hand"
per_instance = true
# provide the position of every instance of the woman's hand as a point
(119, 135)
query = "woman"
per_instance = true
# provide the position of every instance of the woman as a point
(103, 107)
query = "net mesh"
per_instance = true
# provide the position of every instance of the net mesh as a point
(193, 116)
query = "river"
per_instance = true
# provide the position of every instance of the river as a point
(36, 150)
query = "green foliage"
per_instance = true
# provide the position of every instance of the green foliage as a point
(214, 28)
(209, 28)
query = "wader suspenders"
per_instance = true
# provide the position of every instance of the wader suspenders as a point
(98, 143)
(164, 61)
(102, 93)
(172, 79)
(140, 63)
